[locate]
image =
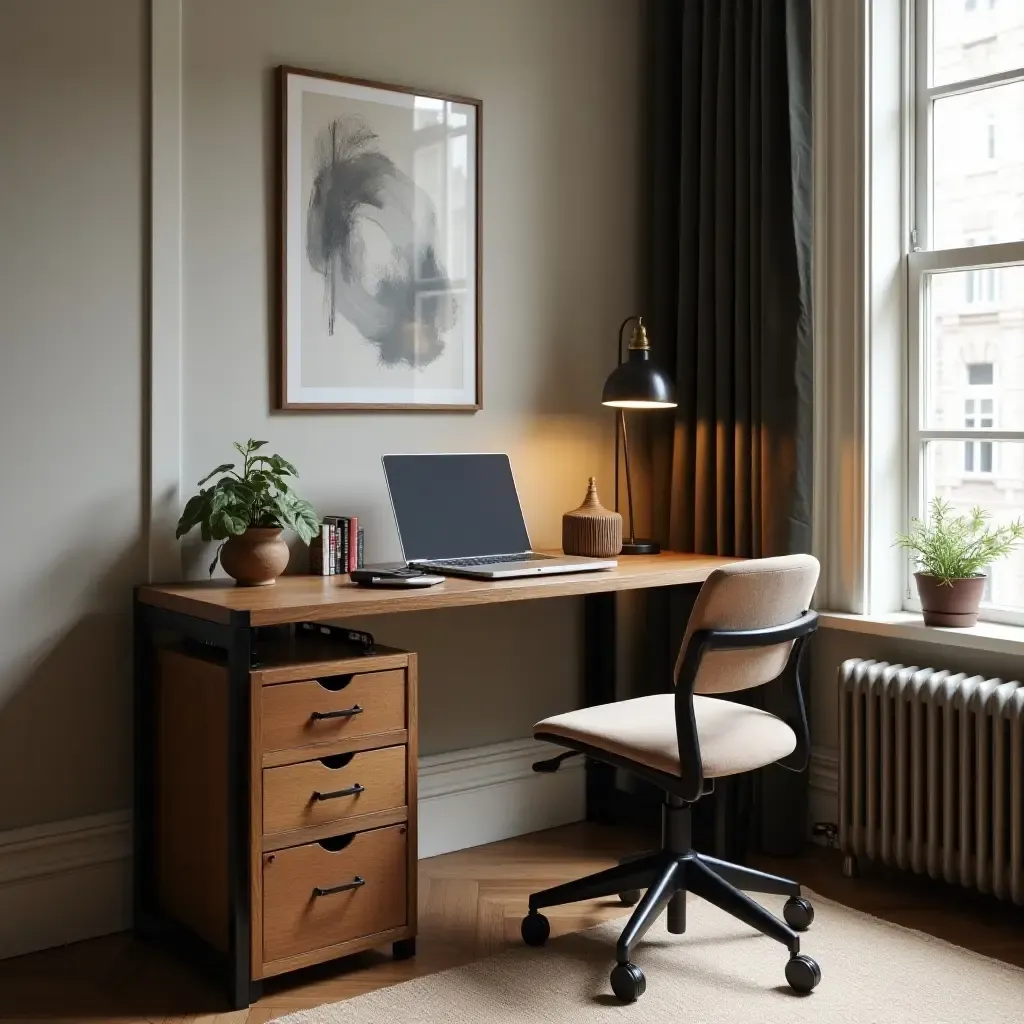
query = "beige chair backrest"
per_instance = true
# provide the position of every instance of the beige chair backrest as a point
(754, 594)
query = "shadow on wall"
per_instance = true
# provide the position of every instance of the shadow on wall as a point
(65, 701)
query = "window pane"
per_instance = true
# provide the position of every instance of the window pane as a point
(971, 38)
(997, 489)
(973, 354)
(979, 373)
(978, 170)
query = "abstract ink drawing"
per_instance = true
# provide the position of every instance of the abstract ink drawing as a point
(354, 181)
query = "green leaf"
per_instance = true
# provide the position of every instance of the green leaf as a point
(192, 514)
(307, 523)
(216, 557)
(277, 464)
(224, 467)
(256, 445)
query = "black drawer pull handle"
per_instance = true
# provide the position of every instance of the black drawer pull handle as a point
(351, 791)
(344, 713)
(354, 884)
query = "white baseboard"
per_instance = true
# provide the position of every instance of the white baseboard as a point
(824, 785)
(65, 881)
(481, 795)
(71, 880)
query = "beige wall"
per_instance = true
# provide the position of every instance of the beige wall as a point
(559, 85)
(72, 266)
(831, 647)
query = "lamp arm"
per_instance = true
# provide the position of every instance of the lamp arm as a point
(622, 327)
(620, 424)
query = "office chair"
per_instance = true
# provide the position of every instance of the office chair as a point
(749, 623)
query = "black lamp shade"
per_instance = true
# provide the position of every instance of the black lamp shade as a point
(638, 383)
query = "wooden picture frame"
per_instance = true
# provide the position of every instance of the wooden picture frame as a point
(380, 239)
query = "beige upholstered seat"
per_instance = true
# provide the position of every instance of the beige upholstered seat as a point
(733, 737)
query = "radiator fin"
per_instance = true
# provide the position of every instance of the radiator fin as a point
(931, 773)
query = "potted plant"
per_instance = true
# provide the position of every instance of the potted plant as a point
(247, 512)
(951, 552)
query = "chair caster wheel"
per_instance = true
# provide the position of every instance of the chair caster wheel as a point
(802, 973)
(629, 898)
(798, 913)
(535, 929)
(628, 982)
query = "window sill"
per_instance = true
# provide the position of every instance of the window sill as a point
(995, 637)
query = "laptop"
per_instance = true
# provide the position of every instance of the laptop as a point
(459, 515)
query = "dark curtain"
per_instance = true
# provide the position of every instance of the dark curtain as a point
(729, 150)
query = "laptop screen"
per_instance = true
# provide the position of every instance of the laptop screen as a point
(455, 506)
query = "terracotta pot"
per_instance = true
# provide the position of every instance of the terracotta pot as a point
(256, 558)
(955, 604)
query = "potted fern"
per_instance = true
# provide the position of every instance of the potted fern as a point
(951, 552)
(247, 511)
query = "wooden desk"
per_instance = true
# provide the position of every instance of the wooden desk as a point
(319, 598)
(222, 618)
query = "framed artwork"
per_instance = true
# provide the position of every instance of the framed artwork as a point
(380, 230)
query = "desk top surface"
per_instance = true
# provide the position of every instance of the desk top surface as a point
(317, 598)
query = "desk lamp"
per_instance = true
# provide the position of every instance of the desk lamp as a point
(636, 383)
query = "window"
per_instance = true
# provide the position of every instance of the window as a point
(966, 300)
(979, 414)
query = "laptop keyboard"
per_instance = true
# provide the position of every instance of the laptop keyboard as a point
(489, 560)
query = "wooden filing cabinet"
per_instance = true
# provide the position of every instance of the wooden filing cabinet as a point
(330, 793)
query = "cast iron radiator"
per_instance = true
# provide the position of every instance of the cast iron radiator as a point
(931, 774)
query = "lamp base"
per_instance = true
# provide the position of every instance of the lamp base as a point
(640, 547)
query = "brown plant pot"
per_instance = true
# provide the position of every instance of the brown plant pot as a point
(256, 558)
(955, 604)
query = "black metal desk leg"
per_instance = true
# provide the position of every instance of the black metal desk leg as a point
(239, 650)
(599, 688)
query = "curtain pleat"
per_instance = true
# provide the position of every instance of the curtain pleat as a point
(729, 124)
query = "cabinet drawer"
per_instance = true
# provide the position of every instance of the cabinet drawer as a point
(331, 709)
(304, 907)
(318, 792)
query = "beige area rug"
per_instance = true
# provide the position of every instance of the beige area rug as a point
(873, 972)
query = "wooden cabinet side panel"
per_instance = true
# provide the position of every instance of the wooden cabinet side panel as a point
(192, 794)
(411, 795)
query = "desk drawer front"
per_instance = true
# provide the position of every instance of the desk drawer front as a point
(318, 792)
(313, 897)
(298, 714)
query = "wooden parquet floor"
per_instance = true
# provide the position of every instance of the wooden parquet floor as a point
(471, 903)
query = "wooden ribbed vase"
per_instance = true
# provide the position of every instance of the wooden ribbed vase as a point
(592, 529)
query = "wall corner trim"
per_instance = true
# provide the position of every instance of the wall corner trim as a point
(164, 401)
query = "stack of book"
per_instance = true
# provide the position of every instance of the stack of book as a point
(338, 549)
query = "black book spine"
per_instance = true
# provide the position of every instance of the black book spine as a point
(360, 560)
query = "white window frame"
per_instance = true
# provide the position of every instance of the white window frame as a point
(922, 262)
